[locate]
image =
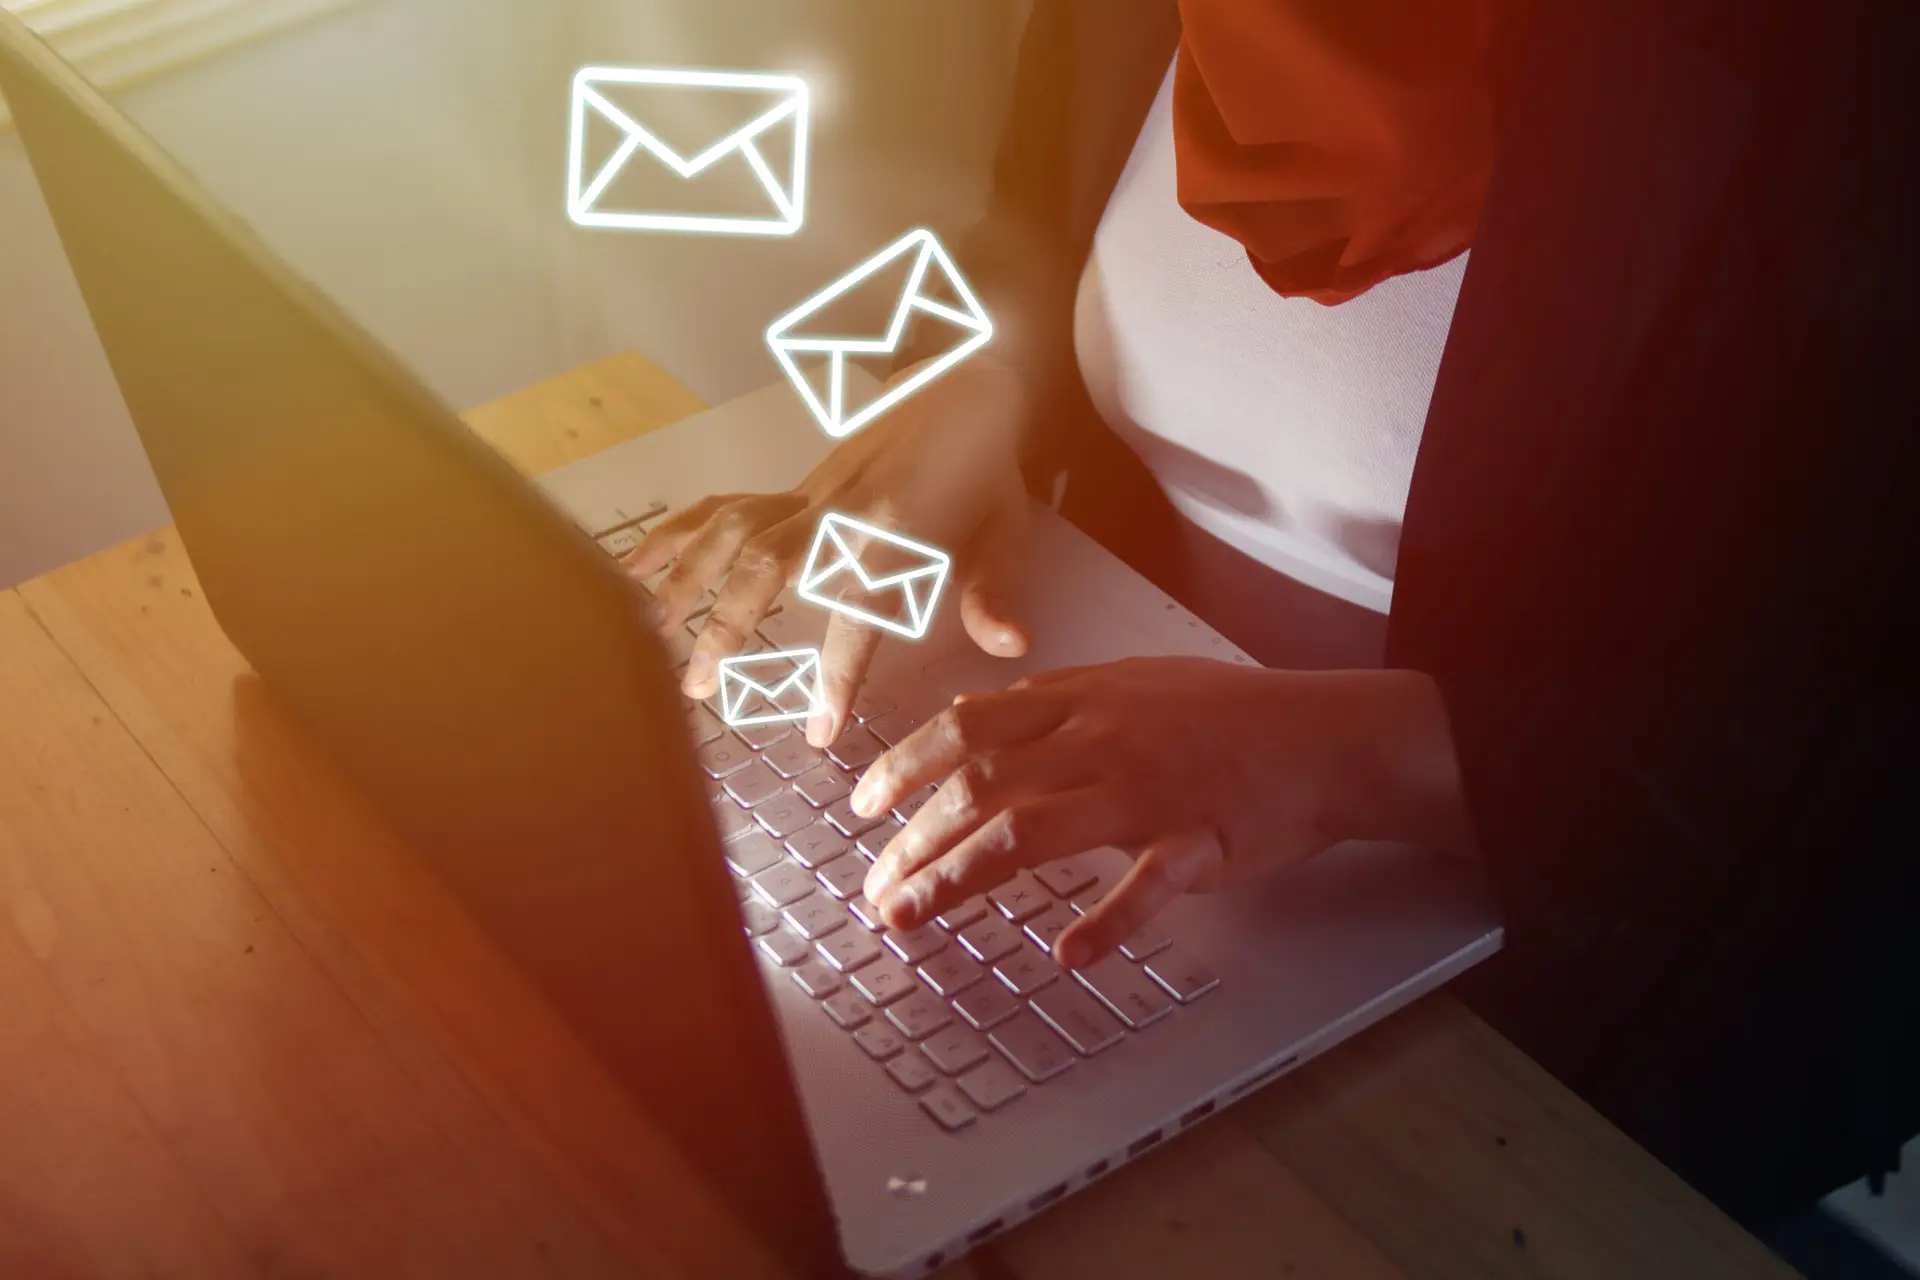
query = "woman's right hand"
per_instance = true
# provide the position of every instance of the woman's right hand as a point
(942, 467)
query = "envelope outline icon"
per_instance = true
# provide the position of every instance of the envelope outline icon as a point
(919, 584)
(795, 671)
(787, 336)
(642, 145)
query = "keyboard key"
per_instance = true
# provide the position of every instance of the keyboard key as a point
(916, 945)
(1075, 1014)
(815, 916)
(1108, 866)
(947, 1108)
(883, 981)
(951, 972)
(1146, 944)
(990, 938)
(959, 917)
(781, 886)
(752, 853)
(1183, 975)
(1026, 971)
(816, 979)
(791, 757)
(849, 950)
(758, 917)
(991, 1085)
(620, 543)
(919, 1014)
(874, 843)
(986, 1005)
(1127, 990)
(879, 1041)
(756, 784)
(865, 912)
(703, 725)
(783, 815)
(1065, 877)
(848, 823)
(954, 1049)
(856, 749)
(871, 703)
(823, 785)
(762, 736)
(843, 876)
(848, 1009)
(730, 819)
(912, 1072)
(913, 804)
(816, 844)
(723, 756)
(1031, 1045)
(1021, 898)
(1049, 924)
(786, 946)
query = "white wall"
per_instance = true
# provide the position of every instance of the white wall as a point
(408, 156)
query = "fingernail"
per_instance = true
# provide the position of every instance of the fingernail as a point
(1069, 955)
(699, 671)
(820, 731)
(902, 907)
(656, 615)
(862, 798)
(879, 876)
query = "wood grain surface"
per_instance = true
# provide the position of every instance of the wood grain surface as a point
(243, 1033)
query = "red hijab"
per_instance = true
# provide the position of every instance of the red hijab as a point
(1340, 141)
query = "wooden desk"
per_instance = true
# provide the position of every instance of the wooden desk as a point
(242, 1033)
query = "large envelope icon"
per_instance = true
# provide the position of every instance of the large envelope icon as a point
(791, 336)
(594, 90)
(899, 598)
(765, 688)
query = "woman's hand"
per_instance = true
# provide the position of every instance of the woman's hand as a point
(943, 467)
(1206, 771)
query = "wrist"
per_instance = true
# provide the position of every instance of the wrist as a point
(1408, 785)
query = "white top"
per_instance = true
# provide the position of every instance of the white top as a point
(1285, 428)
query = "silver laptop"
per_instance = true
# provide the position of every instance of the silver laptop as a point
(462, 643)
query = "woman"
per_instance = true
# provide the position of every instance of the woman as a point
(1636, 663)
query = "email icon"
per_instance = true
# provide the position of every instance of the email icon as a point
(766, 688)
(717, 176)
(878, 577)
(928, 269)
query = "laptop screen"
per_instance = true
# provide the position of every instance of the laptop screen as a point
(469, 657)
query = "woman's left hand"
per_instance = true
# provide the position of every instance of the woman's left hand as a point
(1204, 770)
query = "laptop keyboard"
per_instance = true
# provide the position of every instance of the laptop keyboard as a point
(968, 1012)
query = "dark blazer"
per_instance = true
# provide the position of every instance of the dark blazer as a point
(1659, 549)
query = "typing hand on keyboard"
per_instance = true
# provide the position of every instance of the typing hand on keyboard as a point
(942, 467)
(1208, 769)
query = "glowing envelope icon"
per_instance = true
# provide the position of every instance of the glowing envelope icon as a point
(766, 688)
(900, 598)
(926, 265)
(775, 107)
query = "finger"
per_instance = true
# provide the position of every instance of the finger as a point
(976, 723)
(758, 574)
(993, 564)
(1170, 867)
(845, 655)
(708, 555)
(664, 540)
(1058, 675)
(1030, 831)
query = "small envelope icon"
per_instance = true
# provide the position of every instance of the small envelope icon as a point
(769, 102)
(765, 688)
(792, 338)
(899, 598)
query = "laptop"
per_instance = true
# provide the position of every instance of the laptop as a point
(463, 643)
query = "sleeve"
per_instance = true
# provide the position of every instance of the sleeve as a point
(1339, 141)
